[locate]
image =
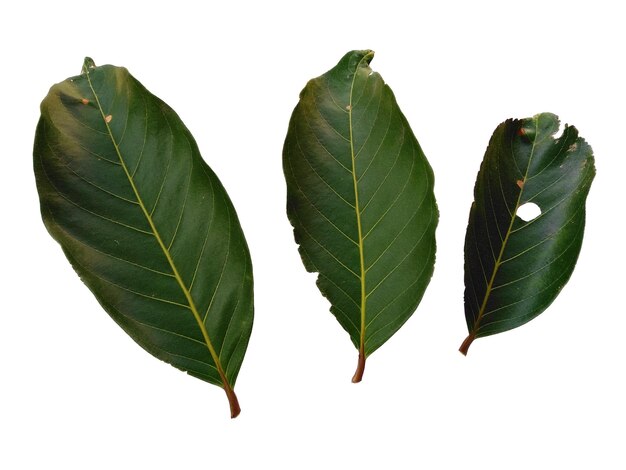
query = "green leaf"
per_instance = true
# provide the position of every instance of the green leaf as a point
(514, 268)
(145, 222)
(360, 199)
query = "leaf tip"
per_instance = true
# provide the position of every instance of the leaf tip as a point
(363, 57)
(547, 124)
(356, 59)
(88, 64)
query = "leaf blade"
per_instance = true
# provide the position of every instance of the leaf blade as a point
(361, 202)
(145, 222)
(511, 279)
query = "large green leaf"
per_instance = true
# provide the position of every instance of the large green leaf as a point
(360, 199)
(515, 268)
(145, 222)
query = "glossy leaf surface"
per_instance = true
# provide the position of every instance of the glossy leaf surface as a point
(360, 199)
(145, 222)
(515, 268)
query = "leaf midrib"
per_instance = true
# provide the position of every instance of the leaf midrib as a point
(165, 250)
(498, 262)
(358, 214)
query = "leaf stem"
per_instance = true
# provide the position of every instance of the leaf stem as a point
(360, 368)
(232, 400)
(466, 344)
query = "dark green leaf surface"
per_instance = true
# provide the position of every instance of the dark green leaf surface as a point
(145, 222)
(514, 268)
(360, 199)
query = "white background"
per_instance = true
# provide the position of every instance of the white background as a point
(78, 393)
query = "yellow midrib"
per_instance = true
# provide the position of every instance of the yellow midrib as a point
(358, 214)
(179, 280)
(498, 262)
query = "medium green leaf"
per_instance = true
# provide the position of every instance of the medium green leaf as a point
(514, 268)
(360, 199)
(145, 222)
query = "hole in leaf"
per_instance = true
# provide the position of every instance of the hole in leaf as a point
(559, 131)
(528, 211)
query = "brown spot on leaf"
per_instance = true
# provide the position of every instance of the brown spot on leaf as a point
(520, 183)
(108, 118)
(521, 131)
(573, 147)
(84, 101)
(349, 108)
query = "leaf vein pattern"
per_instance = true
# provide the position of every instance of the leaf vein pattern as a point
(417, 279)
(163, 351)
(95, 214)
(493, 208)
(506, 203)
(487, 227)
(475, 295)
(543, 240)
(234, 349)
(543, 214)
(121, 139)
(328, 124)
(305, 115)
(181, 356)
(558, 154)
(512, 150)
(384, 180)
(81, 177)
(304, 252)
(479, 254)
(534, 294)
(363, 115)
(208, 230)
(226, 258)
(154, 327)
(167, 167)
(340, 289)
(419, 206)
(419, 241)
(126, 289)
(337, 310)
(332, 98)
(109, 255)
(369, 134)
(80, 123)
(303, 193)
(166, 253)
(317, 242)
(357, 103)
(232, 316)
(379, 145)
(556, 258)
(563, 175)
(79, 144)
(145, 134)
(316, 172)
(394, 202)
(188, 185)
